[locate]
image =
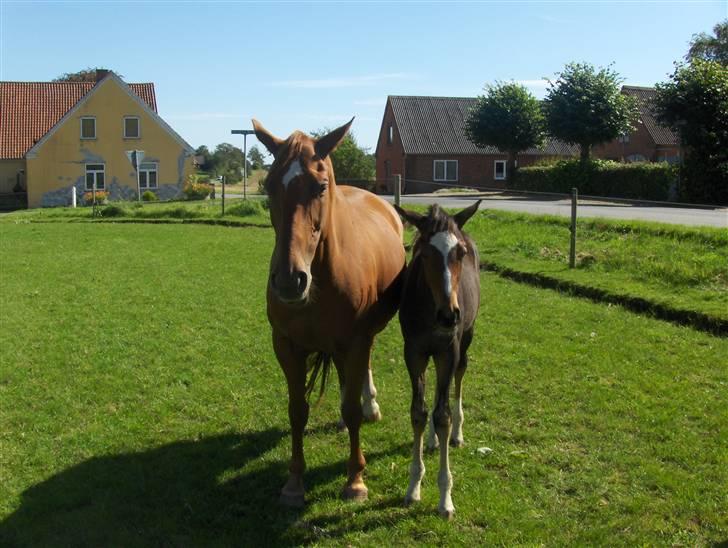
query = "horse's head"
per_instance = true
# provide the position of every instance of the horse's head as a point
(442, 248)
(300, 187)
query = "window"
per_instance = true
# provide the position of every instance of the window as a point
(499, 170)
(623, 138)
(95, 175)
(445, 170)
(88, 127)
(131, 127)
(148, 176)
(390, 134)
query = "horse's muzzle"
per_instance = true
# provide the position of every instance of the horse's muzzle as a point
(448, 319)
(290, 287)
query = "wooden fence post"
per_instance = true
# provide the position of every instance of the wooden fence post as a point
(572, 247)
(397, 189)
(223, 195)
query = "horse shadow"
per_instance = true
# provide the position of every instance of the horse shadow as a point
(218, 490)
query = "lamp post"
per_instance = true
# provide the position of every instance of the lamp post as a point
(244, 133)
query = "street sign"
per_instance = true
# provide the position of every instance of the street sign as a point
(135, 157)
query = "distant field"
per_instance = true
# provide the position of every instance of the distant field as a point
(142, 406)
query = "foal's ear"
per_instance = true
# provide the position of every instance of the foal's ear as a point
(326, 144)
(462, 217)
(413, 218)
(266, 137)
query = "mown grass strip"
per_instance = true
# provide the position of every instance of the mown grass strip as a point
(690, 318)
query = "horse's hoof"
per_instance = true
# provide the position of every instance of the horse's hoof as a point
(341, 426)
(291, 500)
(356, 493)
(409, 500)
(432, 447)
(376, 416)
(447, 513)
(456, 443)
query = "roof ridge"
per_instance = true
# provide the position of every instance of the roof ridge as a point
(428, 97)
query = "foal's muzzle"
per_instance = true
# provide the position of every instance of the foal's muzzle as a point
(448, 318)
(290, 287)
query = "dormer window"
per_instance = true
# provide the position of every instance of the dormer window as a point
(132, 129)
(88, 127)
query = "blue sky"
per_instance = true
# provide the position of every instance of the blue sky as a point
(309, 65)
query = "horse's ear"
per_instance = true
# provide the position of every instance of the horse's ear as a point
(270, 141)
(413, 218)
(462, 217)
(328, 143)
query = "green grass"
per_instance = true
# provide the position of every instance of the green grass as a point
(142, 405)
(685, 268)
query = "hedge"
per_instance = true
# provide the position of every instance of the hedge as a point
(639, 181)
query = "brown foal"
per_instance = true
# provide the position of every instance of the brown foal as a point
(334, 283)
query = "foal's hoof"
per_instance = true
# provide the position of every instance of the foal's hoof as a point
(291, 499)
(410, 500)
(375, 416)
(456, 442)
(341, 426)
(447, 513)
(356, 492)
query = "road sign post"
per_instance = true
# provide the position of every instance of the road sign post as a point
(244, 133)
(136, 157)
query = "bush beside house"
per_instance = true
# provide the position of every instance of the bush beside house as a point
(639, 181)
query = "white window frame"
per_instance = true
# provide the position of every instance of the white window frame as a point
(95, 173)
(495, 170)
(446, 179)
(81, 127)
(155, 169)
(390, 134)
(139, 127)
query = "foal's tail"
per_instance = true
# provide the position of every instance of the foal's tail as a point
(317, 364)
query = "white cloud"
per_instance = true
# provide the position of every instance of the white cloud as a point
(534, 84)
(343, 82)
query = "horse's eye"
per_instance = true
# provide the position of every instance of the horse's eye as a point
(462, 250)
(323, 185)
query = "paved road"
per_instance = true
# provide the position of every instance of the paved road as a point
(674, 215)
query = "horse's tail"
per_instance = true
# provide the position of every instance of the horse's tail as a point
(317, 364)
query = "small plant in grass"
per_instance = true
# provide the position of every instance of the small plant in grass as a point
(149, 196)
(246, 208)
(113, 211)
(102, 197)
(196, 191)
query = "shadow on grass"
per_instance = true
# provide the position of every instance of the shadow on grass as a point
(218, 490)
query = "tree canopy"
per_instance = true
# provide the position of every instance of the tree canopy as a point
(350, 160)
(710, 48)
(256, 158)
(585, 107)
(86, 75)
(507, 117)
(694, 103)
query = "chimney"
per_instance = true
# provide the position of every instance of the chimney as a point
(101, 74)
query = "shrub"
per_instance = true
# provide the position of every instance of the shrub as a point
(639, 181)
(113, 211)
(102, 197)
(149, 196)
(196, 191)
(203, 179)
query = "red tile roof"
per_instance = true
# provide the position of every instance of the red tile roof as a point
(28, 110)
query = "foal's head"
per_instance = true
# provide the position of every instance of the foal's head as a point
(442, 248)
(300, 187)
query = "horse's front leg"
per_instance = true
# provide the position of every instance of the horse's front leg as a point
(355, 364)
(416, 367)
(369, 393)
(442, 419)
(293, 362)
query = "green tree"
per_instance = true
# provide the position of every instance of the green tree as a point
(694, 103)
(710, 48)
(585, 107)
(350, 160)
(206, 155)
(227, 160)
(507, 117)
(86, 75)
(256, 158)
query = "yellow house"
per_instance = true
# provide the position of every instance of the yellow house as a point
(60, 138)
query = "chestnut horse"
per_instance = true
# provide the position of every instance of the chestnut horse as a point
(334, 283)
(440, 302)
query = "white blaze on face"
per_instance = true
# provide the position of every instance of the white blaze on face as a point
(444, 242)
(294, 170)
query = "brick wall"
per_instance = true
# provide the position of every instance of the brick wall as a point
(387, 153)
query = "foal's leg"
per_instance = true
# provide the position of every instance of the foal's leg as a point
(456, 438)
(293, 363)
(355, 370)
(416, 366)
(370, 406)
(445, 364)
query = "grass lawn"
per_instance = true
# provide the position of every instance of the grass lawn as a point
(142, 405)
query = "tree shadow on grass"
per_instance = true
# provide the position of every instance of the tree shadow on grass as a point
(217, 490)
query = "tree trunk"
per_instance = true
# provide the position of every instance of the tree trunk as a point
(510, 168)
(585, 152)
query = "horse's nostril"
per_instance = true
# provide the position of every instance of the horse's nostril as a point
(457, 315)
(301, 281)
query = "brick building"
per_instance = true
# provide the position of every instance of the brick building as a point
(423, 140)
